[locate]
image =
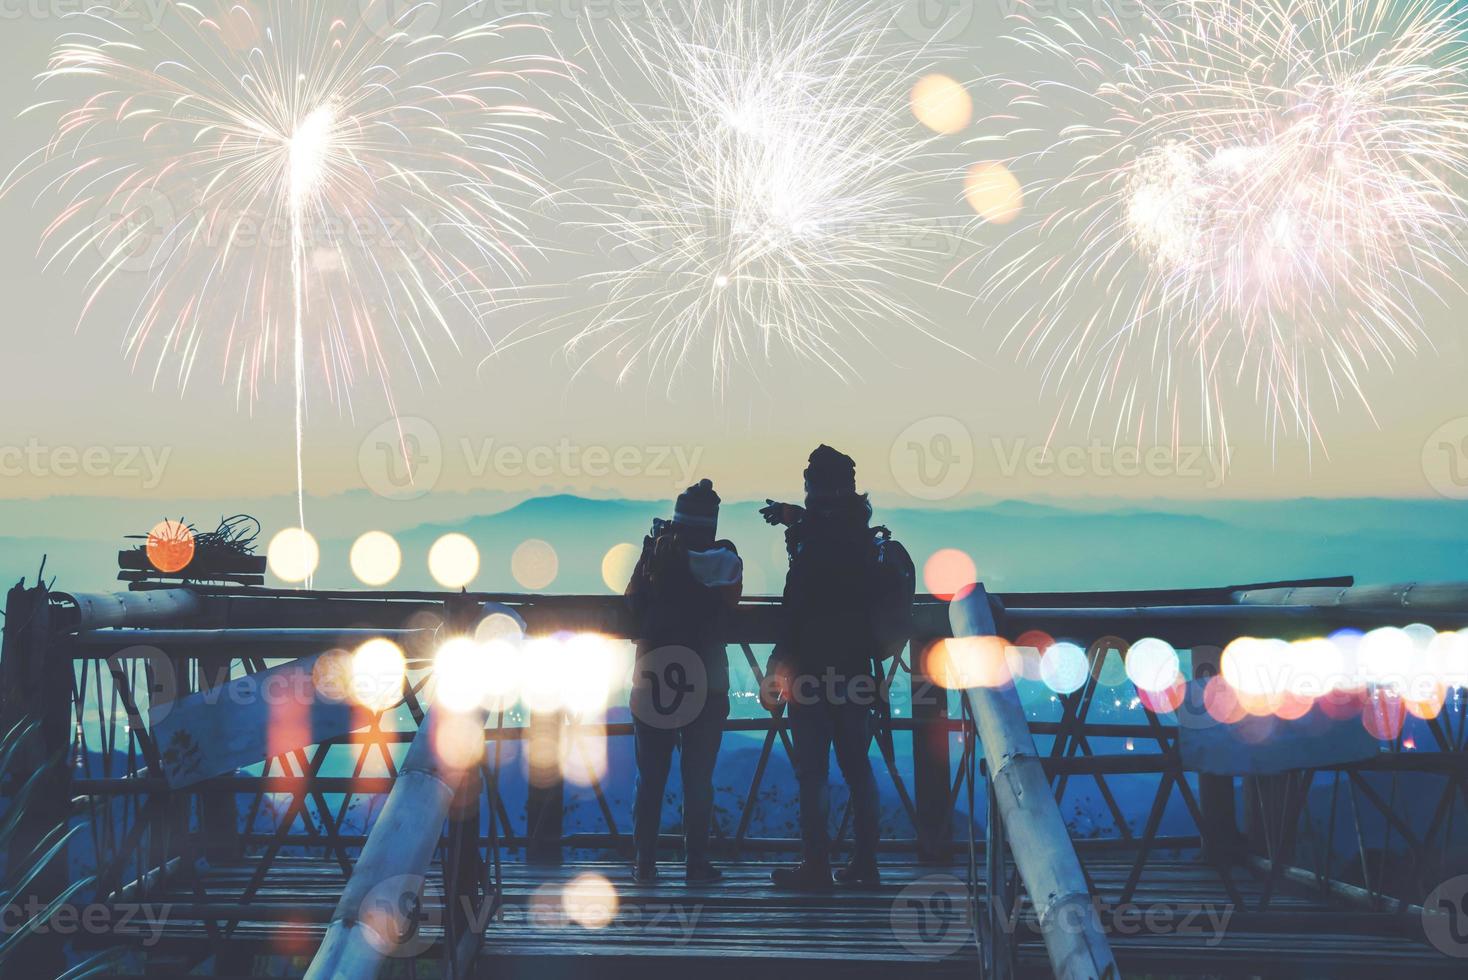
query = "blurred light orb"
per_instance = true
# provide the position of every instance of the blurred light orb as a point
(453, 561)
(591, 901)
(459, 674)
(376, 558)
(950, 574)
(378, 671)
(994, 193)
(1110, 661)
(1221, 703)
(331, 675)
(942, 104)
(1063, 668)
(458, 739)
(1385, 656)
(543, 673)
(293, 555)
(503, 626)
(969, 661)
(1314, 667)
(592, 665)
(501, 674)
(170, 547)
(618, 565)
(535, 564)
(1152, 665)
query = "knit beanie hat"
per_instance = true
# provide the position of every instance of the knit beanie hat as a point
(698, 506)
(830, 476)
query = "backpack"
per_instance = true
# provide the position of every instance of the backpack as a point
(893, 589)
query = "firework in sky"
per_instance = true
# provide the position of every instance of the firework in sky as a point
(1231, 196)
(757, 185)
(291, 186)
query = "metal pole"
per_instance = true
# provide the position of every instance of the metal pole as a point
(1041, 845)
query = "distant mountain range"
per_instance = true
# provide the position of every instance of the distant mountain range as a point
(1017, 545)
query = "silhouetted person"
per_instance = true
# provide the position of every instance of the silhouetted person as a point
(824, 663)
(681, 591)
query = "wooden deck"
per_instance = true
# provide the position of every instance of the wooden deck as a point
(1180, 923)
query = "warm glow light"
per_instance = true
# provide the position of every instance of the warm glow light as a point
(543, 674)
(501, 674)
(1383, 714)
(459, 674)
(590, 900)
(942, 104)
(1221, 703)
(459, 739)
(378, 671)
(499, 626)
(1385, 655)
(618, 565)
(994, 193)
(293, 555)
(453, 561)
(535, 565)
(376, 558)
(170, 547)
(1256, 668)
(950, 574)
(971, 661)
(594, 665)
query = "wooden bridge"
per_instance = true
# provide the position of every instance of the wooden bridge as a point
(242, 873)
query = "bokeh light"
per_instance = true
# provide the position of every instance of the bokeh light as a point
(502, 626)
(378, 671)
(535, 565)
(942, 104)
(970, 661)
(376, 558)
(1221, 703)
(1152, 665)
(594, 666)
(590, 900)
(617, 566)
(459, 674)
(543, 673)
(950, 574)
(293, 555)
(994, 193)
(1063, 668)
(170, 547)
(1383, 714)
(458, 739)
(453, 561)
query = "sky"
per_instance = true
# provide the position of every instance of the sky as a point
(933, 419)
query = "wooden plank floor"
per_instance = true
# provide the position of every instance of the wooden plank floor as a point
(1180, 923)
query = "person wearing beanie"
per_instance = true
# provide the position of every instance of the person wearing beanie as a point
(681, 592)
(823, 664)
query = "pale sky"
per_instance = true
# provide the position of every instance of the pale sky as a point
(67, 392)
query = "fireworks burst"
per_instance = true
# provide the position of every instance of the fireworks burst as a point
(1252, 195)
(292, 182)
(763, 175)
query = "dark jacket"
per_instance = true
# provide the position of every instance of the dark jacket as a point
(829, 593)
(683, 598)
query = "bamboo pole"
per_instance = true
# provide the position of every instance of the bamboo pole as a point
(1043, 851)
(385, 884)
(157, 607)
